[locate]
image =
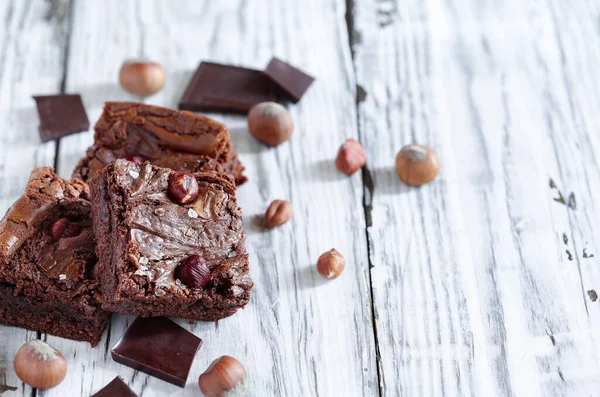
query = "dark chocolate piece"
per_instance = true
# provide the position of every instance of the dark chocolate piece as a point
(158, 347)
(144, 236)
(116, 388)
(292, 81)
(224, 88)
(60, 115)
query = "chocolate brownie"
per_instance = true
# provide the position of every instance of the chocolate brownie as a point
(144, 236)
(182, 140)
(47, 259)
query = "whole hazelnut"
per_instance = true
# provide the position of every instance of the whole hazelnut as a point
(270, 123)
(417, 164)
(141, 78)
(40, 365)
(134, 158)
(63, 228)
(351, 157)
(278, 213)
(331, 264)
(193, 271)
(183, 187)
(226, 377)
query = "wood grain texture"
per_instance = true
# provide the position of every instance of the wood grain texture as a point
(480, 278)
(31, 62)
(299, 335)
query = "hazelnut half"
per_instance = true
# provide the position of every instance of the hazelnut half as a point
(141, 78)
(40, 365)
(331, 264)
(351, 157)
(417, 164)
(270, 123)
(226, 377)
(278, 213)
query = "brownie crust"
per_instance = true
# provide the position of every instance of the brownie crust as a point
(181, 140)
(143, 235)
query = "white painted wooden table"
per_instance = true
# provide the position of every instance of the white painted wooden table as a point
(474, 285)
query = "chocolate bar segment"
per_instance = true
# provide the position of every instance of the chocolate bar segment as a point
(223, 88)
(60, 115)
(292, 81)
(158, 347)
(116, 388)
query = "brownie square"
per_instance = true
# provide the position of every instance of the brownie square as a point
(180, 140)
(47, 279)
(60, 115)
(143, 236)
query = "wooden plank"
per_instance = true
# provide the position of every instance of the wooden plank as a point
(31, 62)
(299, 335)
(474, 292)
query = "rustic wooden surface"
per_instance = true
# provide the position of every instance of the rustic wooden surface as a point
(474, 285)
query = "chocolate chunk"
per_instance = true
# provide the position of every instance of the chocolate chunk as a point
(116, 388)
(292, 81)
(158, 347)
(224, 88)
(61, 115)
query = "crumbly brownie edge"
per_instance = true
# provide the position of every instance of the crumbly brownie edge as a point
(104, 224)
(41, 316)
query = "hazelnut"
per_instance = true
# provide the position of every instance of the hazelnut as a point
(40, 365)
(351, 157)
(331, 264)
(183, 187)
(193, 272)
(141, 78)
(226, 377)
(417, 165)
(63, 228)
(134, 158)
(278, 213)
(270, 123)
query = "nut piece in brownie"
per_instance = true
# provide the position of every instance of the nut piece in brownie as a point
(180, 140)
(47, 259)
(169, 243)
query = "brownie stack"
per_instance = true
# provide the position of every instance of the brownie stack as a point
(70, 255)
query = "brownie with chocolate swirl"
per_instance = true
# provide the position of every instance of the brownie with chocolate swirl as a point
(158, 257)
